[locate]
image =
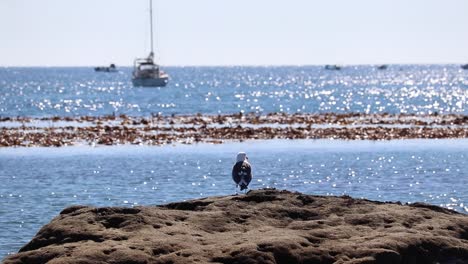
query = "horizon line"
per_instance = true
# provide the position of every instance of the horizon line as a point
(231, 65)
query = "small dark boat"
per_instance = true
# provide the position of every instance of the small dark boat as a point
(464, 66)
(333, 67)
(382, 67)
(111, 68)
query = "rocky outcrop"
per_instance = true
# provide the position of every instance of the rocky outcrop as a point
(263, 226)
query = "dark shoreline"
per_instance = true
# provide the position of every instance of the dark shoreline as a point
(189, 129)
(263, 226)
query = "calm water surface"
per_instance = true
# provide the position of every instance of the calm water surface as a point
(37, 183)
(212, 90)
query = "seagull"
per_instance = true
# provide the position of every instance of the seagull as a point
(242, 172)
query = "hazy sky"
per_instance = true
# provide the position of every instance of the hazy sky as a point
(233, 32)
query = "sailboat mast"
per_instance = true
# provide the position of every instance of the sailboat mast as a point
(151, 25)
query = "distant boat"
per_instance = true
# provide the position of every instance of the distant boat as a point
(146, 73)
(111, 68)
(333, 67)
(382, 67)
(464, 66)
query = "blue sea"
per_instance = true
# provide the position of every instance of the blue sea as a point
(37, 183)
(421, 89)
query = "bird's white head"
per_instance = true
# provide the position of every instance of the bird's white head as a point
(241, 156)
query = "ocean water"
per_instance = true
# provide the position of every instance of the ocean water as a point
(37, 183)
(211, 90)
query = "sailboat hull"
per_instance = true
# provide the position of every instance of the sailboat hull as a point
(150, 82)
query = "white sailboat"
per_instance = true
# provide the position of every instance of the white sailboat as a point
(146, 72)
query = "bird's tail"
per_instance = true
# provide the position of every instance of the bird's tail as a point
(243, 184)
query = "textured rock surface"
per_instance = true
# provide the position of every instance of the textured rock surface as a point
(264, 226)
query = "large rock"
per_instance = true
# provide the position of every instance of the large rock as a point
(263, 226)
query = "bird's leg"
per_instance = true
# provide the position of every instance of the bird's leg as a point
(236, 189)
